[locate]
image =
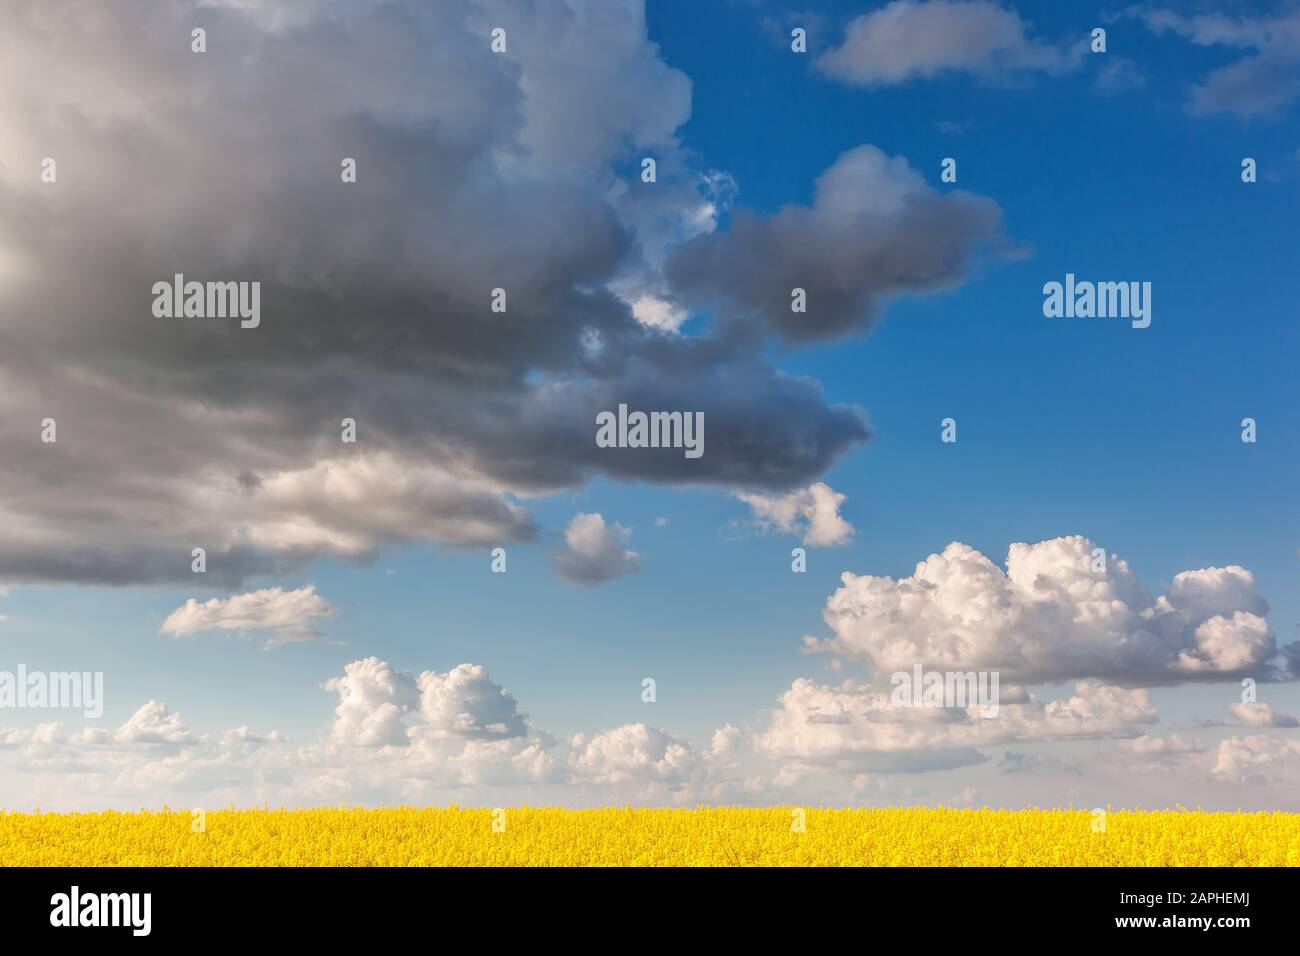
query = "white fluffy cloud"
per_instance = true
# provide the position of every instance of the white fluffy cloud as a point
(1260, 715)
(594, 552)
(1162, 746)
(395, 736)
(285, 616)
(1053, 614)
(154, 723)
(631, 752)
(909, 40)
(823, 724)
(433, 737)
(154, 730)
(1256, 760)
(1050, 617)
(659, 313)
(464, 703)
(812, 512)
(380, 706)
(374, 701)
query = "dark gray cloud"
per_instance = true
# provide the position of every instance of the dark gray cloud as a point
(476, 171)
(874, 230)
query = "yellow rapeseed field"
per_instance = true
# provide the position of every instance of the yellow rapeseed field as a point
(707, 836)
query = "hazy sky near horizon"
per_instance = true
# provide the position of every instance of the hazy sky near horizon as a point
(350, 640)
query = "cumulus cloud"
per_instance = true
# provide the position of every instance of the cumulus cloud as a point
(1255, 760)
(812, 513)
(507, 172)
(374, 700)
(909, 40)
(433, 737)
(286, 616)
(659, 313)
(465, 703)
(1050, 617)
(243, 736)
(858, 726)
(394, 736)
(154, 723)
(594, 552)
(1260, 715)
(1162, 746)
(1263, 81)
(875, 230)
(380, 706)
(631, 752)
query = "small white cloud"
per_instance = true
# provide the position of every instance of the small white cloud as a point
(659, 313)
(1255, 760)
(243, 737)
(594, 552)
(909, 40)
(812, 512)
(1260, 715)
(92, 737)
(631, 752)
(154, 723)
(286, 616)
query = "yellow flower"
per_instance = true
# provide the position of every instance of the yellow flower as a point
(619, 836)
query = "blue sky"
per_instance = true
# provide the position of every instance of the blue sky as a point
(1128, 437)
